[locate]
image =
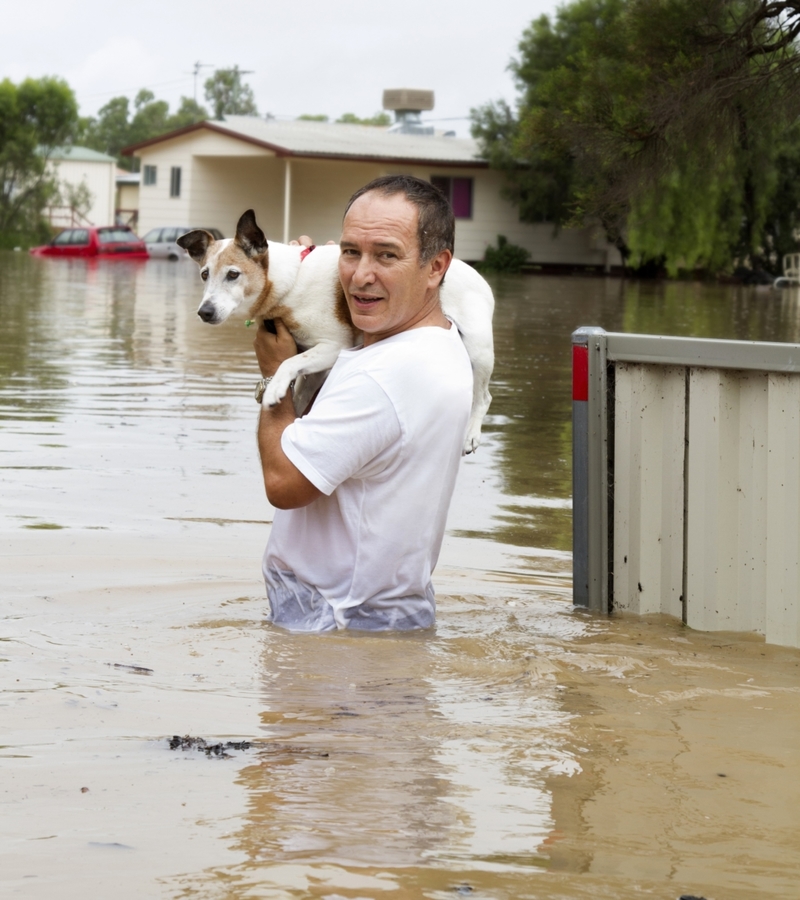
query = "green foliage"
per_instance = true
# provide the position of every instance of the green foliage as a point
(228, 95)
(669, 121)
(117, 127)
(36, 116)
(379, 119)
(505, 257)
(309, 118)
(189, 112)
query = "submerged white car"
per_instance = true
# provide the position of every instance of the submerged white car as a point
(161, 242)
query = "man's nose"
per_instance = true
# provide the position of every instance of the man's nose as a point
(365, 270)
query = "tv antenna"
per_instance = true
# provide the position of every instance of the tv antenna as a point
(196, 71)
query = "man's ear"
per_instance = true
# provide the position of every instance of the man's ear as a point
(438, 267)
(249, 236)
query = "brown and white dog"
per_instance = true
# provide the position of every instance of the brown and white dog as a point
(269, 280)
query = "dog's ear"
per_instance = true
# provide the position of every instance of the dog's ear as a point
(249, 236)
(196, 244)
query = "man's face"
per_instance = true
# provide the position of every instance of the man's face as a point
(387, 289)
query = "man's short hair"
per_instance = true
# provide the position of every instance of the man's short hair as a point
(436, 225)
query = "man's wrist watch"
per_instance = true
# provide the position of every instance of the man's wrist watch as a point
(261, 387)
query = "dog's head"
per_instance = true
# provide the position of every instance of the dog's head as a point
(234, 271)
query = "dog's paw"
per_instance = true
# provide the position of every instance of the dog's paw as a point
(471, 442)
(276, 391)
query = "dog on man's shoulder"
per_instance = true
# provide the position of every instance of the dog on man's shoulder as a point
(264, 279)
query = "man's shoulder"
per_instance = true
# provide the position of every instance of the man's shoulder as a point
(427, 360)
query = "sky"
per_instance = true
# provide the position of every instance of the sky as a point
(309, 57)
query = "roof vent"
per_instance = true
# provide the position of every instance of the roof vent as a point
(407, 104)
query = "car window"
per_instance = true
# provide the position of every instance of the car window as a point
(152, 236)
(169, 234)
(115, 235)
(80, 236)
(63, 238)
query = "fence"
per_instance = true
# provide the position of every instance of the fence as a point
(66, 217)
(686, 480)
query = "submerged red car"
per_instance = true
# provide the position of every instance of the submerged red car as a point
(113, 241)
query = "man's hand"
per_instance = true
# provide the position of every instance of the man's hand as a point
(273, 349)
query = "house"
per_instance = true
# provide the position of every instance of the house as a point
(126, 210)
(75, 167)
(298, 176)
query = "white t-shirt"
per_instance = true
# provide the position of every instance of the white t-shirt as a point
(382, 443)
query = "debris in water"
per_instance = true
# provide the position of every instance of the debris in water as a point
(197, 743)
(137, 670)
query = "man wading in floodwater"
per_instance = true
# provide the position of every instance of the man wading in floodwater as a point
(362, 483)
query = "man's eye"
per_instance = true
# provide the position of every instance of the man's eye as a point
(232, 276)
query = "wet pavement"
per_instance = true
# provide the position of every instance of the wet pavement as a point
(523, 749)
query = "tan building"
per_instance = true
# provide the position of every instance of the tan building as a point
(76, 166)
(298, 176)
(127, 202)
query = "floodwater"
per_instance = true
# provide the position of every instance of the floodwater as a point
(523, 749)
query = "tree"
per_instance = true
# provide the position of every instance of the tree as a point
(36, 117)
(116, 128)
(228, 95)
(306, 117)
(379, 119)
(669, 120)
(189, 112)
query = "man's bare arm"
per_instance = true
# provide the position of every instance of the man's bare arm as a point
(285, 484)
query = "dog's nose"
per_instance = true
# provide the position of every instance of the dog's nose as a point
(206, 312)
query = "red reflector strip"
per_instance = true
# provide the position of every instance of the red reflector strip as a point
(580, 372)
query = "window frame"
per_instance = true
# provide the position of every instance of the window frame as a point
(446, 183)
(149, 176)
(175, 181)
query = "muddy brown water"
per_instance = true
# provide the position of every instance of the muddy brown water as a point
(523, 749)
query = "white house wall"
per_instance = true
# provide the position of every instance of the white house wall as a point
(222, 176)
(226, 186)
(203, 200)
(99, 178)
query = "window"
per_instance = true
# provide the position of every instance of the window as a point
(458, 191)
(80, 236)
(118, 235)
(153, 236)
(64, 238)
(149, 175)
(168, 235)
(175, 181)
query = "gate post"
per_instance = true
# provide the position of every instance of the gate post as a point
(589, 470)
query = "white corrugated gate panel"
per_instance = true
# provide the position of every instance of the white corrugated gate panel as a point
(648, 488)
(783, 533)
(726, 501)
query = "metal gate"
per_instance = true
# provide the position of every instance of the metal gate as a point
(686, 480)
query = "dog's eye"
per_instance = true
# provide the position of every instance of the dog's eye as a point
(204, 274)
(232, 275)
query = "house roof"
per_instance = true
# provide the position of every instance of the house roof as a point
(329, 140)
(80, 154)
